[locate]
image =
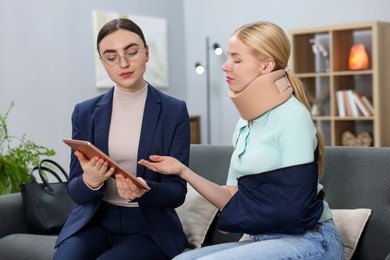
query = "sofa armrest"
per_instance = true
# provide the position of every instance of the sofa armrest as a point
(12, 215)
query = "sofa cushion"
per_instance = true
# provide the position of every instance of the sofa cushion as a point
(196, 215)
(350, 223)
(27, 247)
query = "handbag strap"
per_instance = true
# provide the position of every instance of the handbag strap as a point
(46, 185)
(36, 168)
(40, 167)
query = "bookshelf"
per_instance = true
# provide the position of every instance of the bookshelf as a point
(326, 74)
(195, 129)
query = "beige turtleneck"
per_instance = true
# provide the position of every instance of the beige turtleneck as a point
(124, 136)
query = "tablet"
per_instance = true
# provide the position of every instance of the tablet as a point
(89, 150)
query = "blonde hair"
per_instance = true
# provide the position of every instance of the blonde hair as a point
(268, 40)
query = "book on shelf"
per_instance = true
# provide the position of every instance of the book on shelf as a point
(340, 103)
(348, 111)
(368, 103)
(364, 109)
(352, 103)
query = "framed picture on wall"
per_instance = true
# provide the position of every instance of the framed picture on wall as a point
(155, 31)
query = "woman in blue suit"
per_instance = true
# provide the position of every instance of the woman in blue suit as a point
(113, 218)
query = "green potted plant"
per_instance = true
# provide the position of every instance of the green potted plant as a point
(17, 155)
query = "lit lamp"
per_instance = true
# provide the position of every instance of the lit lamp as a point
(358, 58)
(217, 49)
(200, 69)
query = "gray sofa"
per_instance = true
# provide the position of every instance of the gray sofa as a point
(354, 178)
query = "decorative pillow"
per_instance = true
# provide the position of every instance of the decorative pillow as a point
(350, 223)
(196, 215)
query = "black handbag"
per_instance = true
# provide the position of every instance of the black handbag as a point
(46, 205)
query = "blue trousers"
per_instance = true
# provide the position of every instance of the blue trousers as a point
(114, 233)
(321, 243)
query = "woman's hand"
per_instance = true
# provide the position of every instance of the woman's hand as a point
(95, 170)
(127, 189)
(163, 164)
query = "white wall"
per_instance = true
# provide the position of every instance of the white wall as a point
(47, 61)
(217, 19)
(46, 54)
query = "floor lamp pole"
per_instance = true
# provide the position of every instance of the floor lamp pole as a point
(208, 91)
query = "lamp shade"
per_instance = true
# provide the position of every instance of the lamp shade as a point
(358, 57)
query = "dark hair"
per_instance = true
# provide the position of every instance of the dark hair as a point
(116, 24)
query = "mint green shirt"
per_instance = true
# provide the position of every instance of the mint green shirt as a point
(282, 137)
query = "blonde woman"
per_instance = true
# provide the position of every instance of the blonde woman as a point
(272, 191)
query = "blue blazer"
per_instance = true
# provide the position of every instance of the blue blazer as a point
(165, 130)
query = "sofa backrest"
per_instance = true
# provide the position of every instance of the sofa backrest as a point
(12, 218)
(211, 161)
(359, 177)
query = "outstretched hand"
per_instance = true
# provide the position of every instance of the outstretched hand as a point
(163, 164)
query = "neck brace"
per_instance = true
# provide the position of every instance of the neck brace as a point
(262, 94)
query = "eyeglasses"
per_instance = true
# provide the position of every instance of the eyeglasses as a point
(112, 59)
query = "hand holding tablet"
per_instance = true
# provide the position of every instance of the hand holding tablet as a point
(89, 150)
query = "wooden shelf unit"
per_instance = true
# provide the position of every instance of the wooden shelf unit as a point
(331, 74)
(195, 129)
